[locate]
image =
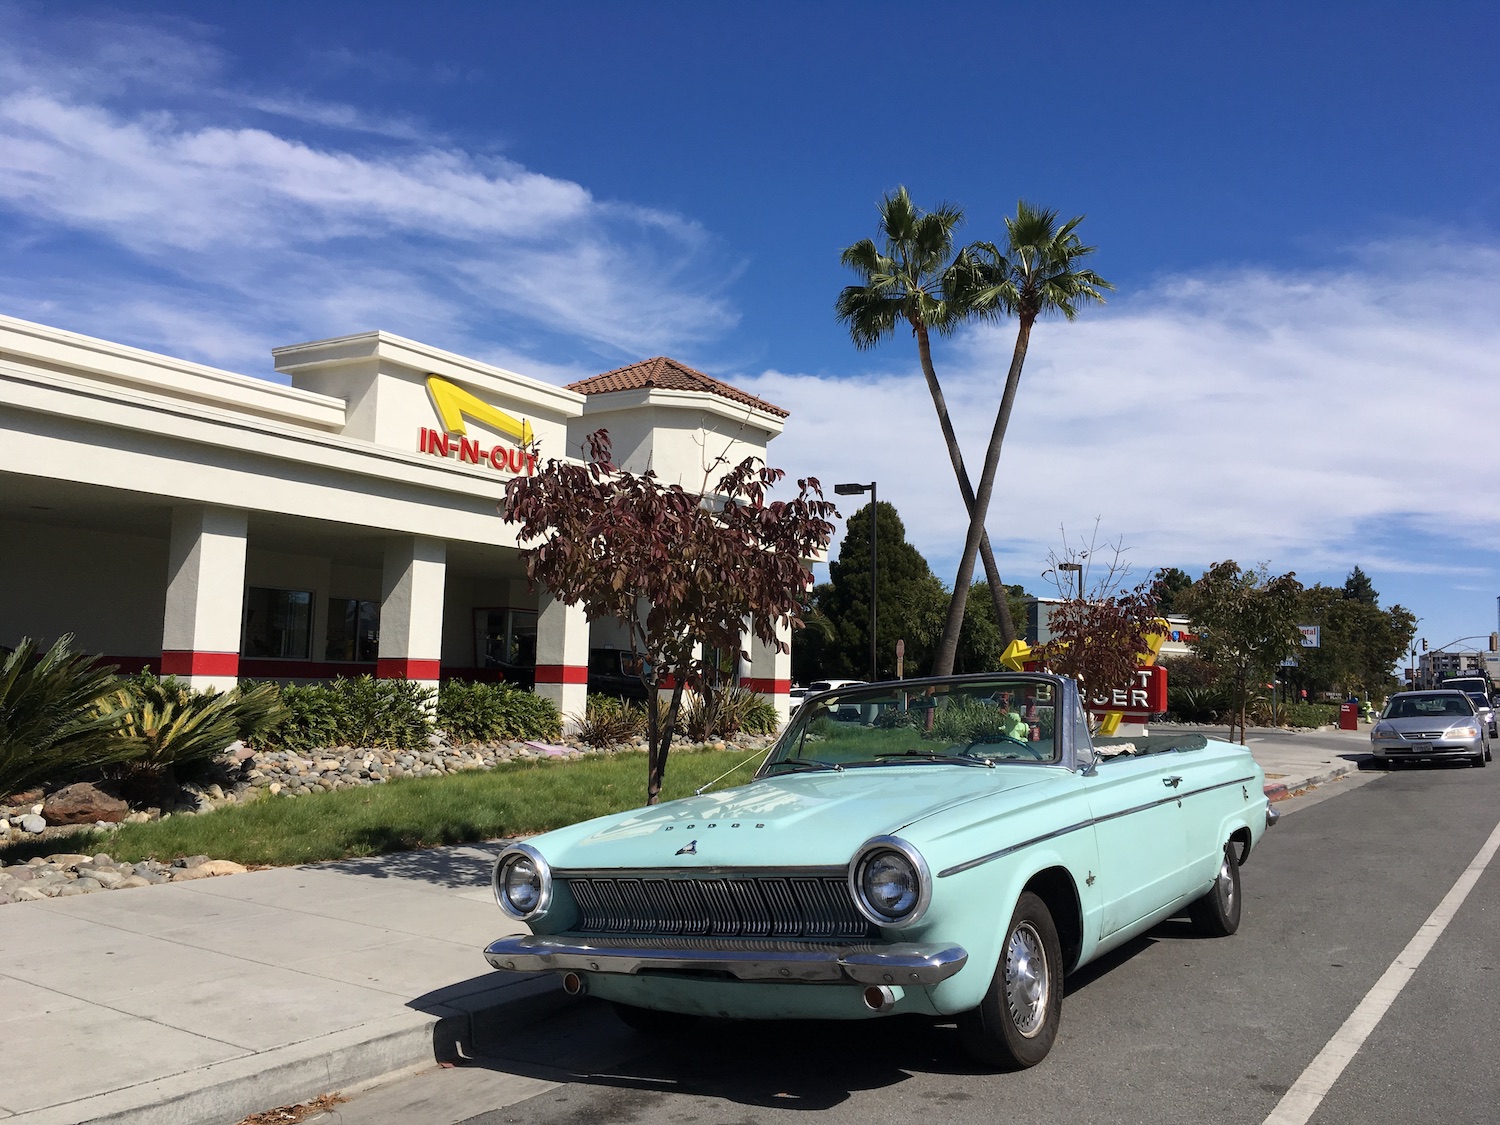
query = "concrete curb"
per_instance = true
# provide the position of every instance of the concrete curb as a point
(227, 1091)
(1279, 791)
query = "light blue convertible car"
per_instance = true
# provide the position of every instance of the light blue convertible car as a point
(950, 847)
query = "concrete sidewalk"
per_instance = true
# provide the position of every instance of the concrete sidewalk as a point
(202, 1002)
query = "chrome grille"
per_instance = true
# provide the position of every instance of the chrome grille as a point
(808, 907)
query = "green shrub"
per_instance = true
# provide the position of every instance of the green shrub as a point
(1309, 714)
(744, 711)
(967, 720)
(479, 712)
(385, 714)
(53, 724)
(609, 722)
(308, 719)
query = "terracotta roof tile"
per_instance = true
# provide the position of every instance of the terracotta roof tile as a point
(669, 375)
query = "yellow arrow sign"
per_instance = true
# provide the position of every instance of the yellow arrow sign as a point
(1015, 656)
(453, 403)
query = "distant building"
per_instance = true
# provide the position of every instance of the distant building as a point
(1435, 667)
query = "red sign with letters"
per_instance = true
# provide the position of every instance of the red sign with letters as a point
(1146, 694)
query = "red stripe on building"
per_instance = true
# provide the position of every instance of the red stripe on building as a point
(266, 668)
(402, 668)
(562, 674)
(765, 685)
(186, 662)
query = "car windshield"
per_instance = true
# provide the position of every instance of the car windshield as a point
(974, 722)
(1427, 706)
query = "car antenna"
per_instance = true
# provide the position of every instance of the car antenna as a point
(700, 791)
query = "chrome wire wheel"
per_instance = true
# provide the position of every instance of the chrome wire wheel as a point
(1028, 979)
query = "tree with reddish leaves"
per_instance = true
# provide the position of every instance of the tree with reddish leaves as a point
(687, 573)
(1099, 640)
(1100, 629)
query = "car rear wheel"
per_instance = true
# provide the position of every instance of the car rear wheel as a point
(1016, 1023)
(1217, 914)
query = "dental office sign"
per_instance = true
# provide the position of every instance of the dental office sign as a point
(454, 404)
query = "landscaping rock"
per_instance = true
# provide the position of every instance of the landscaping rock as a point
(83, 803)
(33, 824)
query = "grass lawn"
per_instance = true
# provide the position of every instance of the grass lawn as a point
(511, 800)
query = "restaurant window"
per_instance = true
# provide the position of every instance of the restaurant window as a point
(278, 623)
(353, 629)
(505, 640)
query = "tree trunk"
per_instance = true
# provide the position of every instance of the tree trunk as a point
(659, 738)
(992, 572)
(948, 647)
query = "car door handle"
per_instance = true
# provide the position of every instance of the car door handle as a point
(1171, 782)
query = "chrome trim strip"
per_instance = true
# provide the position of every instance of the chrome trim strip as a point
(909, 963)
(970, 864)
(825, 872)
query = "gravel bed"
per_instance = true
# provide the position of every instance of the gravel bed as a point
(245, 775)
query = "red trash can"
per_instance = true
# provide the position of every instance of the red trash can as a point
(1348, 716)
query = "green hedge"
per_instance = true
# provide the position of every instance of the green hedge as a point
(476, 712)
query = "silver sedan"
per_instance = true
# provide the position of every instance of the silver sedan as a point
(1430, 724)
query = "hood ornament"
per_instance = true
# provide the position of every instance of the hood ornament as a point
(690, 848)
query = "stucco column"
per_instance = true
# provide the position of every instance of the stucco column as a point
(411, 609)
(770, 672)
(562, 657)
(200, 637)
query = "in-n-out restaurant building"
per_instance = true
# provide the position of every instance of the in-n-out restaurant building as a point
(215, 526)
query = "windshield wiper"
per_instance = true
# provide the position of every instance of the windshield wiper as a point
(801, 764)
(948, 759)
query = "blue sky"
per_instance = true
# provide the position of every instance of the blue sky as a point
(1299, 206)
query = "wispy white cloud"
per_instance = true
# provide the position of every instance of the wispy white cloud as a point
(217, 199)
(1313, 421)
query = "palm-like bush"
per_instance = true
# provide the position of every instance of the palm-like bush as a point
(51, 723)
(609, 722)
(165, 725)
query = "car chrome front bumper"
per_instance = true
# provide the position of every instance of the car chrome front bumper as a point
(908, 963)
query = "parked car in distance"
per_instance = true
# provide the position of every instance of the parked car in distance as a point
(1486, 712)
(816, 687)
(617, 672)
(949, 847)
(1438, 723)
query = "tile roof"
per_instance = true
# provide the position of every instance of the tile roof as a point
(669, 375)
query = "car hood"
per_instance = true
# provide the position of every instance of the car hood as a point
(1430, 724)
(800, 820)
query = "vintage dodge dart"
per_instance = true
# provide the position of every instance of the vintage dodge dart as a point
(951, 847)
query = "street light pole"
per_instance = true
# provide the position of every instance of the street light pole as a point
(1074, 568)
(860, 490)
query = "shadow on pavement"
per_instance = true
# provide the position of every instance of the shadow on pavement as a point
(788, 1064)
(454, 868)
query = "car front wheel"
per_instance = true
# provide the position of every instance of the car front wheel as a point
(1217, 914)
(1016, 1023)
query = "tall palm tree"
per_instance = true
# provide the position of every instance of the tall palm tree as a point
(1038, 273)
(905, 280)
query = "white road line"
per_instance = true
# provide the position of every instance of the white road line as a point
(1302, 1100)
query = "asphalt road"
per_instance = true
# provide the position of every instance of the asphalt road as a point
(1171, 1029)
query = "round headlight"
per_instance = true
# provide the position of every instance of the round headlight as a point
(522, 882)
(890, 883)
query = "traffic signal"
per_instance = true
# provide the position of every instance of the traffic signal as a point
(1495, 642)
(1424, 644)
